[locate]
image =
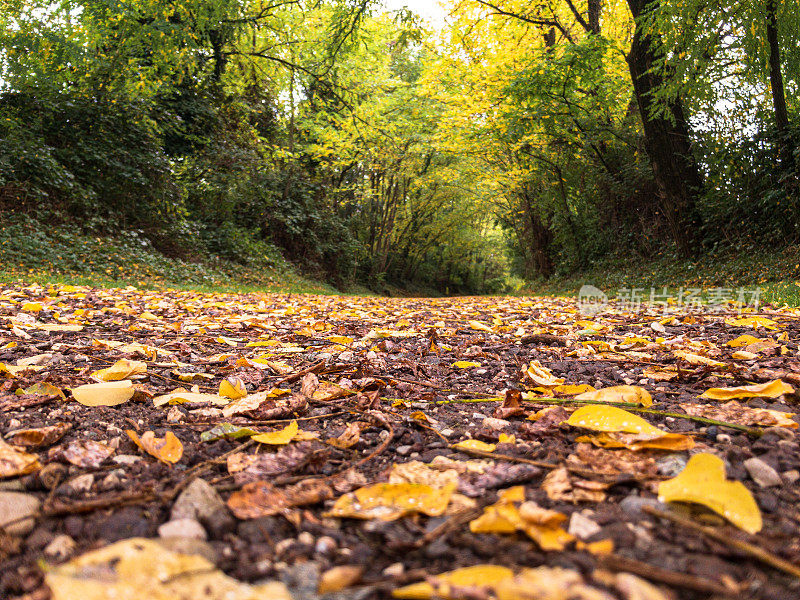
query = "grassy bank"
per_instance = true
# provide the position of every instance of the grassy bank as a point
(775, 273)
(32, 252)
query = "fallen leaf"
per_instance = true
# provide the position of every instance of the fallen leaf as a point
(698, 360)
(465, 364)
(541, 525)
(541, 376)
(610, 419)
(733, 412)
(348, 438)
(549, 583)
(772, 389)
(390, 501)
(233, 388)
(743, 340)
(182, 397)
(673, 442)
(631, 394)
(478, 326)
(15, 462)
(754, 322)
(45, 389)
(438, 585)
(167, 449)
(262, 499)
(38, 436)
(227, 431)
(88, 454)
(138, 568)
(122, 369)
(703, 481)
(278, 438)
(560, 486)
(338, 578)
(110, 393)
(475, 445)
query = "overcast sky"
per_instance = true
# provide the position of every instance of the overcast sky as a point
(430, 10)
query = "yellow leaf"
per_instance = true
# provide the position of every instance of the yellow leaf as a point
(32, 307)
(640, 441)
(233, 388)
(754, 322)
(278, 438)
(610, 419)
(45, 389)
(541, 525)
(475, 445)
(696, 359)
(139, 568)
(743, 340)
(464, 364)
(478, 575)
(507, 439)
(182, 396)
(390, 501)
(569, 390)
(167, 449)
(772, 389)
(478, 326)
(631, 394)
(122, 369)
(540, 375)
(744, 355)
(341, 339)
(703, 481)
(339, 578)
(109, 393)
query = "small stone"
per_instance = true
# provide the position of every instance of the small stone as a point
(305, 538)
(723, 438)
(346, 356)
(283, 545)
(791, 477)
(403, 450)
(394, 570)
(80, 484)
(324, 356)
(494, 424)
(186, 528)
(447, 432)
(762, 473)
(582, 526)
(325, 545)
(478, 416)
(198, 501)
(126, 459)
(632, 505)
(671, 465)
(113, 479)
(17, 510)
(60, 548)
(175, 415)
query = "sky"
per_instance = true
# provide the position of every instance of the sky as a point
(430, 10)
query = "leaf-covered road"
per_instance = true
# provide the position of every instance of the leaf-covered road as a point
(290, 446)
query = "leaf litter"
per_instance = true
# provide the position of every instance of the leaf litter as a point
(392, 447)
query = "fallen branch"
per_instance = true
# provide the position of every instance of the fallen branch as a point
(615, 562)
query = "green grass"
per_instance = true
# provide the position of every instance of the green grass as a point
(774, 272)
(33, 253)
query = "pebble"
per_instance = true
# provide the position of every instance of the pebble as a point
(791, 477)
(175, 415)
(632, 505)
(671, 465)
(305, 538)
(15, 505)
(762, 473)
(403, 450)
(325, 545)
(582, 526)
(394, 570)
(447, 432)
(478, 416)
(113, 479)
(495, 424)
(198, 501)
(80, 484)
(126, 459)
(60, 548)
(186, 528)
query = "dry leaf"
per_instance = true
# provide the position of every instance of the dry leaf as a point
(167, 449)
(773, 389)
(559, 486)
(339, 578)
(390, 501)
(110, 393)
(733, 412)
(233, 388)
(39, 436)
(86, 453)
(610, 419)
(703, 481)
(465, 364)
(122, 369)
(348, 438)
(262, 499)
(182, 397)
(478, 326)
(541, 376)
(754, 322)
(138, 568)
(474, 445)
(278, 438)
(481, 576)
(631, 394)
(15, 462)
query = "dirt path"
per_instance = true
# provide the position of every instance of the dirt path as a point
(354, 392)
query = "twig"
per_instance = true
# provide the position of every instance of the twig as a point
(615, 562)
(755, 551)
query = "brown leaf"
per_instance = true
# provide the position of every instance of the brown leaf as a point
(510, 406)
(84, 453)
(255, 467)
(167, 449)
(348, 438)
(262, 499)
(39, 436)
(15, 462)
(561, 486)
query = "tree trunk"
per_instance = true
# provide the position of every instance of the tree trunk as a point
(775, 77)
(666, 140)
